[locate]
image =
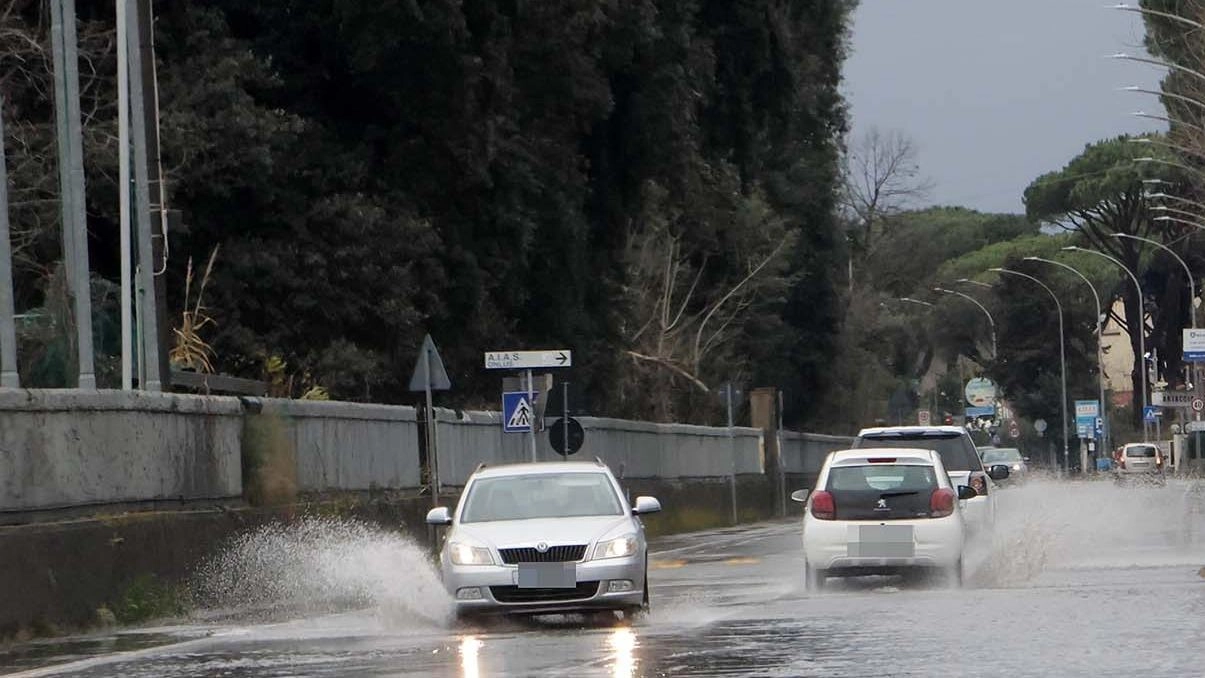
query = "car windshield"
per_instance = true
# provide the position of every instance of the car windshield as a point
(1141, 451)
(882, 478)
(957, 452)
(1000, 456)
(540, 495)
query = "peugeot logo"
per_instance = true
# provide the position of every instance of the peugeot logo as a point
(882, 504)
(542, 547)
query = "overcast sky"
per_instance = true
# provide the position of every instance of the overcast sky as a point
(996, 93)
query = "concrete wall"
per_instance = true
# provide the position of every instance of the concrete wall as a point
(633, 449)
(803, 453)
(349, 446)
(68, 448)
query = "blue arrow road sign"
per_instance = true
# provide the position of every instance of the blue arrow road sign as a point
(517, 412)
(1150, 414)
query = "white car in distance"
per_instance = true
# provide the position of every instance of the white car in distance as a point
(883, 512)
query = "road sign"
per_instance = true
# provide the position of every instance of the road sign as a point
(1086, 412)
(1100, 426)
(518, 415)
(528, 360)
(1171, 398)
(556, 436)
(980, 392)
(923, 417)
(429, 369)
(1198, 404)
(1039, 425)
(1194, 346)
(975, 412)
(1150, 414)
(1195, 426)
(1014, 431)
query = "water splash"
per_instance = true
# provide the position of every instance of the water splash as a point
(1048, 524)
(323, 565)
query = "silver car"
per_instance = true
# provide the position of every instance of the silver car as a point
(545, 538)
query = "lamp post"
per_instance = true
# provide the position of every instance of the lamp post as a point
(1170, 95)
(1062, 354)
(991, 322)
(1141, 325)
(914, 301)
(1177, 198)
(1157, 62)
(1153, 12)
(1100, 345)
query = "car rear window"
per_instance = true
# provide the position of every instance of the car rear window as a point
(1141, 451)
(956, 450)
(999, 455)
(881, 491)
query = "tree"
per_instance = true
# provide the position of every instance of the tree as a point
(881, 179)
(1100, 193)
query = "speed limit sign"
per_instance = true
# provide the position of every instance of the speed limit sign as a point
(1198, 404)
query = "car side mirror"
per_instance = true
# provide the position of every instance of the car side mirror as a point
(1025, 459)
(646, 505)
(439, 516)
(800, 496)
(998, 472)
(967, 492)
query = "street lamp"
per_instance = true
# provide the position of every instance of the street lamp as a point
(1169, 95)
(1062, 354)
(1100, 344)
(1169, 163)
(914, 301)
(1167, 144)
(1192, 286)
(1161, 195)
(1169, 121)
(1157, 62)
(1152, 12)
(1141, 324)
(968, 281)
(991, 322)
(1165, 208)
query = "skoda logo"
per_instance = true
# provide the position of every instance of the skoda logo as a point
(542, 547)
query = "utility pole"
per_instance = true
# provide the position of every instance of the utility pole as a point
(71, 181)
(8, 333)
(152, 356)
(123, 199)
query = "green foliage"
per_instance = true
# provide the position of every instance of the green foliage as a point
(147, 597)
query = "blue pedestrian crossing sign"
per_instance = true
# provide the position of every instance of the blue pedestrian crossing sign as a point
(1151, 414)
(518, 413)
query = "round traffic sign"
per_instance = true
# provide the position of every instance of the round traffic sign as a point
(1014, 431)
(1039, 425)
(1198, 404)
(556, 436)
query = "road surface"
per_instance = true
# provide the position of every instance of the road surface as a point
(1081, 579)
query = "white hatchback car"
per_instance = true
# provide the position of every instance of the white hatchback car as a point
(960, 459)
(543, 538)
(882, 512)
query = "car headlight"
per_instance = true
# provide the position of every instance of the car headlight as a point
(1016, 467)
(467, 554)
(616, 548)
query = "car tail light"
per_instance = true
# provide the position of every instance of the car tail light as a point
(1123, 463)
(979, 484)
(823, 506)
(881, 460)
(941, 502)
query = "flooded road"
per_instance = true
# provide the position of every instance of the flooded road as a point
(1080, 579)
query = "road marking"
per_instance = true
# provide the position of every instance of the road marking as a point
(744, 560)
(666, 564)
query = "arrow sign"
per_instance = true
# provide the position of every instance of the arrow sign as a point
(528, 360)
(429, 372)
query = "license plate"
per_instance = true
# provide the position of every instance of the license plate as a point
(881, 541)
(547, 575)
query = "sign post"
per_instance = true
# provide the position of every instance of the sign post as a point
(527, 361)
(430, 375)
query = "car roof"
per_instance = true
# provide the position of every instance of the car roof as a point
(901, 430)
(540, 468)
(902, 455)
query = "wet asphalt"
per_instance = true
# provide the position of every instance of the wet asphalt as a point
(1081, 578)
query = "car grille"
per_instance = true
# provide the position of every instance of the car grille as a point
(514, 594)
(554, 554)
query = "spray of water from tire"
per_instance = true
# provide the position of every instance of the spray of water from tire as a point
(320, 566)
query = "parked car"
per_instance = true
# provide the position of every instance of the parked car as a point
(883, 511)
(959, 458)
(1018, 464)
(1139, 461)
(545, 537)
